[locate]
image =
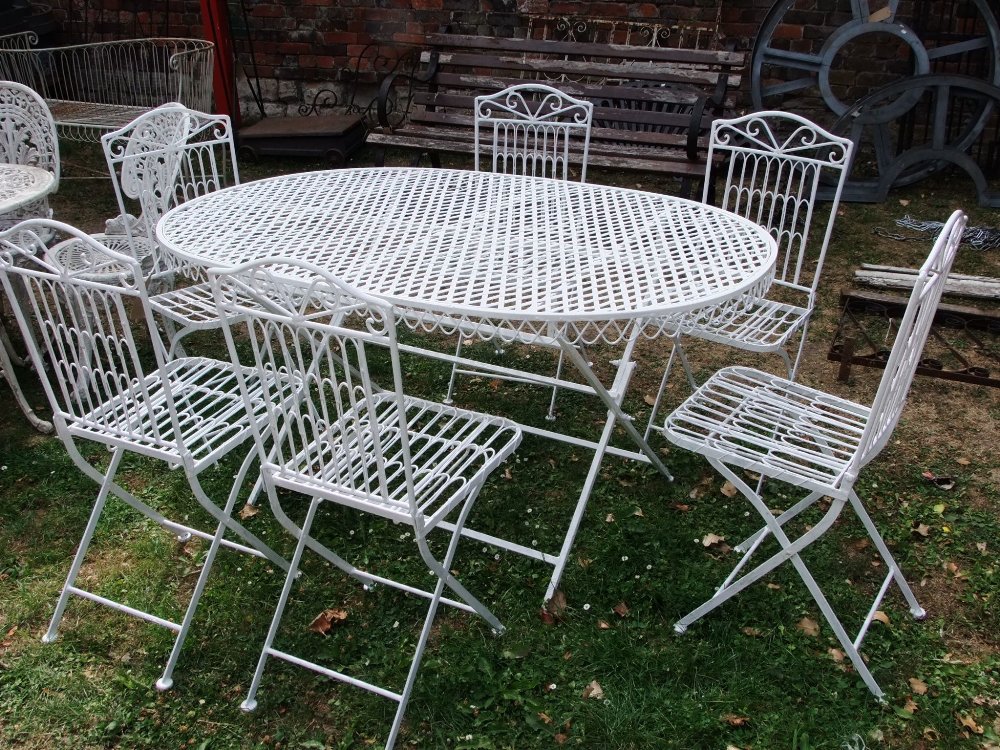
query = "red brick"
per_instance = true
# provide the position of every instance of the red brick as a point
(268, 11)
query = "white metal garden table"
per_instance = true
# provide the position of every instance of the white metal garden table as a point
(20, 185)
(540, 260)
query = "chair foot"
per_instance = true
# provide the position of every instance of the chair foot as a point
(248, 706)
(50, 637)
(550, 417)
(184, 538)
(497, 632)
(164, 683)
(448, 401)
(680, 629)
(919, 613)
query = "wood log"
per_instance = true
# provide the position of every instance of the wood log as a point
(893, 277)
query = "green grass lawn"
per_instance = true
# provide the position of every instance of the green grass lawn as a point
(603, 669)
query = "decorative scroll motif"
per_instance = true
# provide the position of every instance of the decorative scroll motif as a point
(27, 137)
(629, 32)
(964, 343)
(373, 63)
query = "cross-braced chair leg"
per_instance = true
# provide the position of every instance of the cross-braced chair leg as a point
(791, 551)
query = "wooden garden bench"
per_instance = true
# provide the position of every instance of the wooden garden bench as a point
(653, 106)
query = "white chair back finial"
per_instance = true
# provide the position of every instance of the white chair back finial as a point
(530, 127)
(774, 165)
(909, 343)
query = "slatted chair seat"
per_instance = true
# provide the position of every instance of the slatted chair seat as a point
(205, 391)
(763, 327)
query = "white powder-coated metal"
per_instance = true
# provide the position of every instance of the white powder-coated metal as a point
(476, 249)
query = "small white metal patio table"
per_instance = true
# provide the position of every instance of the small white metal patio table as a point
(20, 185)
(540, 260)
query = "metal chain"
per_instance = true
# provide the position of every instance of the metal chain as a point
(981, 238)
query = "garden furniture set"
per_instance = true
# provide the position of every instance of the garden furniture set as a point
(314, 278)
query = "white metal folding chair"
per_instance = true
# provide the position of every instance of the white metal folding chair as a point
(743, 418)
(338, 438)
(774, 165)
(529, 128)
(159, 160)
(188, 412)
(28, 137)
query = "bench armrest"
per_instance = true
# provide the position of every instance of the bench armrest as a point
(388, 94)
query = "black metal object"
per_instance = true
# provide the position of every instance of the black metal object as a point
(333, 137)
(958, 44)
(964, 343)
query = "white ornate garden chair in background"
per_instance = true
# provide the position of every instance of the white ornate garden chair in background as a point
(338, 438)
(160, 160)
(527, 129)
(187, 412)
(28, 137)
(774, 165)
(746, 419)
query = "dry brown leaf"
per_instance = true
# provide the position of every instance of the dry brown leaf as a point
(930, 734)
(327, 619)
(962, 461)
(557, 604)
(8, 639)
(808, 626)
(593, 690)
(918, 686)
(546, 719)
(774, 586)
(836, 654)
(610, 518)
(709, 539)
(567, 656)
(969, 723)
(507, 474)
(561, 738)
(860, 544)
(584, 562)
(248, 511)
(728, 489)
(881, 616)
(904, 202)
(650, 399)
(752, 632)
(736, 721)
(981, 546)
(638, 512)
(603, 625)
(681, 507)
(910, 707)
(921, 528)
(621, 609)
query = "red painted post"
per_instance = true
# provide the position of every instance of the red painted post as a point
(215, 21)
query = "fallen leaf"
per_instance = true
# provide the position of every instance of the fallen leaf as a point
(603, 625)
(881, 616)
(561, 738)
(736, 721)
(981, 546)
(709, 539)
(930, 734)
(495, 384)
(940, 508)
(904, 202)
(836, 654)
(584, 562)
(248, 511)
(621, 609)
(774, 586)
(681, 507)
(860, 544)
(8, 639)
(649, 399)
(327, 619)
(728, 489)
(610, 518)
(557, 604)
(945, 483)
(910, 707)
(546, 719)
(752, 632)
(593, 690)
(922, 529)
(567, 656)
(918, 686)
(962, 461)
(969, 723)
(808, 626)
(506, 473)
(638, 512)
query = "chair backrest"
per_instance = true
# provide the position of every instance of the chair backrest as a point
(166, 157)
(530, 127)
(316, 342)
(909, 343)
(774, 163)
(79, 333)
(27, 130)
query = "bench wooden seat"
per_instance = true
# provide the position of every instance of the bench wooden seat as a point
(653, 106)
